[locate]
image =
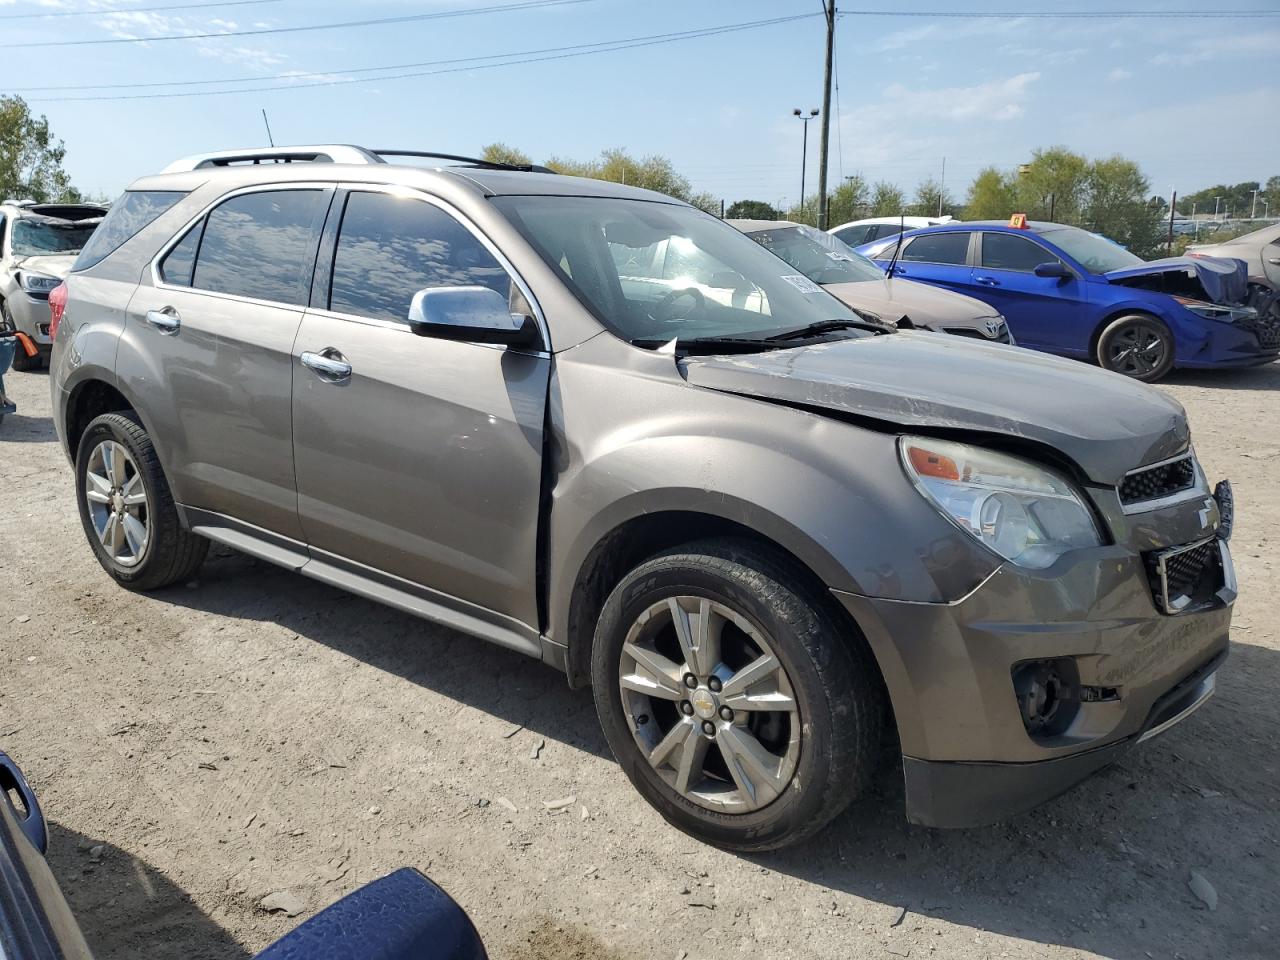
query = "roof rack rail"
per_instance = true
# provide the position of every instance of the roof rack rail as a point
(474, 161)
(321, 153)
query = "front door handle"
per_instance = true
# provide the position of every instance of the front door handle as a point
(1275, 260)
(166, 321)
(328, 363)
(987, 281)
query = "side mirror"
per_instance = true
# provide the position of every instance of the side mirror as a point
(1055, 268)
(471, 314)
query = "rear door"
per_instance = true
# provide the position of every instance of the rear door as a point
(938, 258)
(1048, 313)
(208, 350)
(419, 460)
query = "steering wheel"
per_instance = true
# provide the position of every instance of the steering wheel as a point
(663, 309)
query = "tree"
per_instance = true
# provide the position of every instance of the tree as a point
(848, 202)
(991, 196)
(502, 153)
(1118, 206)
(886, 200)
(932, 200)
(1054, 184)
(30, 156)
(751, 210)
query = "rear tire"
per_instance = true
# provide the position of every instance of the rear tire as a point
(127, 509)
(770, 761)
(1137, 346)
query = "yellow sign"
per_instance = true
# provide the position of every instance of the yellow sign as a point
(1018, 221)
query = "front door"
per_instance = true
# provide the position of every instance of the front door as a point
(208, 347)
(417, 457)
(1047, 313)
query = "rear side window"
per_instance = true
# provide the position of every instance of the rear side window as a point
(1003, 251)
(390, 247)
(951, 248)
(127, 216)
(259, 245)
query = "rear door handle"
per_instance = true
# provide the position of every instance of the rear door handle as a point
(166, 321)
(328, 363)
(987, 281)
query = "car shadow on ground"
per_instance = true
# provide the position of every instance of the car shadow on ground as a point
(18, 428)
(1105, 867)
(127, 909)
(500, 682)
(1265, 377)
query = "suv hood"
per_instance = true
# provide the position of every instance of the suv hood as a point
(924, 305)
(1223, 279)
(53, 265)
(1106, 423)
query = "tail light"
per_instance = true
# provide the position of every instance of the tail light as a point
(57, 304)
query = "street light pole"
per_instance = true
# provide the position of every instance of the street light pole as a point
(804, 149)
(1253, 212)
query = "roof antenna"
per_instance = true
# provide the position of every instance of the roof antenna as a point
(902, 228)
(267, 123)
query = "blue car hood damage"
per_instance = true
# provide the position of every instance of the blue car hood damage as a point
(1105, 423)
(1224, 280)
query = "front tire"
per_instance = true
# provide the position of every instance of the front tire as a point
(1137, 346)
(734, 697)
(127, 510)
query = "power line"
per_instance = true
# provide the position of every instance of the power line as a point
(107, 11)
(532, 56)
(1067, 14)
(261, 31)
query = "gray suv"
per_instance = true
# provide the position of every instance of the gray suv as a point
(777, 540)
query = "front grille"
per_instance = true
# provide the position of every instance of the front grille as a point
(1156, 483)
(1001, 337)
(1265, 328)
(1186, 578)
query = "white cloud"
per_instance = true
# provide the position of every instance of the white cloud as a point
(994, 100)
(1203, 49)
(1118, 75)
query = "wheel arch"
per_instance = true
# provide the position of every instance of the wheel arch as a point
(91, 397)
(1124, 310)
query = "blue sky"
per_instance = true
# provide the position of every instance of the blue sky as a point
(1194, 101)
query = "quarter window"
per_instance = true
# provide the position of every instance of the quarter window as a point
(391, 247)
(179, 263)
(1004, 251)
(952, 248)
(260, 245)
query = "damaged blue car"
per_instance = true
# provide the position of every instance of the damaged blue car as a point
(1067, 291)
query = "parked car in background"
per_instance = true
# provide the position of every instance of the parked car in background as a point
(857, 232)
(403, 916)
(1260, 249)
(862, 285)
(1064, 290)
(38, 243)
(762, 528)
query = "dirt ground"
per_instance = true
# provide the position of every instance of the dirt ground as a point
(255, 732)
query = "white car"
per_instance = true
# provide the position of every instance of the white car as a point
(857, 232)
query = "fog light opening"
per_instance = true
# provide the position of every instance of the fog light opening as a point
(1048, 693)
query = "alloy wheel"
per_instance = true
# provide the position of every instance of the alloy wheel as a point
(117, 501)
(709, 704)
(1136, 350)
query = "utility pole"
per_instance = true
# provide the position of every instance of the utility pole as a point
(942, 186)
(1173, 209)
(826, 116)
(1253, 212)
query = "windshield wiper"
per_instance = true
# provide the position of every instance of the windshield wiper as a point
(831, 326)
(710, 344)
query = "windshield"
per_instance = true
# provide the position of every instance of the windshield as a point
(655, 272)
(1095, 253)
(819, 256)
(36, 238)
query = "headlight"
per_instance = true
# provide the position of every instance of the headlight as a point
(1022, 511)
(1217, 311)
(37, 282)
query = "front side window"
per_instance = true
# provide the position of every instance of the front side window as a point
(391, 247)
(127, 216)
(948, 248)
(1004, 251)
(261, 245)
(656, 272)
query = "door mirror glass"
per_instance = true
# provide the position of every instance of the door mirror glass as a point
(1054, 269)
(473, 314)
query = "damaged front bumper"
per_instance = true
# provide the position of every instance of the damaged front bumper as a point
(1009, 696)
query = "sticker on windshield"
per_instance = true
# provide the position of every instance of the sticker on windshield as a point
(802, 283)
(837, 255)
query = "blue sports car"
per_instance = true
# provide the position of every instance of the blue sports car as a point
(1067, 291)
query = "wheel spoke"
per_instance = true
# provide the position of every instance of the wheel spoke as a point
(660, 676)
(113, 459)
(135, 533)
(133, 492)
(698, 632)
(98, 489)
(756, 687)
(108, 534)
(676, 736)
(754, 769)
(692, 755)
